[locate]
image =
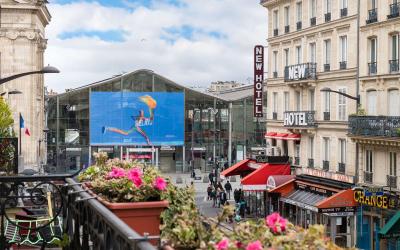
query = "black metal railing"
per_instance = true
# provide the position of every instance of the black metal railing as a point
(301, 71)
(276, 32)
(327, 67)
(327, 116)
(287, 29)
(325, 165)
(298, 25)
(327, 17)
(372, 16)
(297, 161)
(372, 68)
(299, 119)
(368, 177)
(394, 10)
(342, 168)
(391, 181)
(394, 66)
(343, 65)
(275, 74)
(343, 12)
(387, 126)
(313, 21)
(274, 116)
(311, 163)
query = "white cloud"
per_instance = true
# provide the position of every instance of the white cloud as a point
(196, 61)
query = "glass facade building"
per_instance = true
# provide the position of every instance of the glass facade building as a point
(217, 128)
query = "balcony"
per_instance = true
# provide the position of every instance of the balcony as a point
(276, 32)
(327, 67)
(394, 10)
(301, 72)
(391, 181)
(394, 66)
(296, 161)
(327, 116)
(372, 68)
(325, 165)
(343, 65)
(372, 16)
(313, 21)
(287, 29)
(275, 74)
(274, 116)
(298, 25)
(327, 17)
(311, 163)
(343, 12)
(385, 126)
(299, 119)
(342, 168)
(368, 177)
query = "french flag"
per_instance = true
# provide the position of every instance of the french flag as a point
(22, 125)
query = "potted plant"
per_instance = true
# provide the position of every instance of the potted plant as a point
(132, 191)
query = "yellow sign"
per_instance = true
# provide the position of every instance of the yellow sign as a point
(381, 201)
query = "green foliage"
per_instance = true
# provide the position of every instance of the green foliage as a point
(6, 120)
(64, 242)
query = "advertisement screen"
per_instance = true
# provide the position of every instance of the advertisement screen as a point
(136, 118)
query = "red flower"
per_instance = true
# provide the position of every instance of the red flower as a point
(276, 223)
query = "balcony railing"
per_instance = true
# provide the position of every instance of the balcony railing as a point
(394, 66)
(372, 68)
(297, 161)
(301, 71)
(325, 165)
(311, 163)
(372, 16)
(327, 116)
(394, 10)
(327, 67)
(276, 32)
(343, 12)
(298, 25)
(343, 65)
(275, 74)
(368, 177)
(374, 126)
(327, 17)
(299, 119)
(342, 168)
(287, 29)
(313, 21)
(391, 181)
(274, 116)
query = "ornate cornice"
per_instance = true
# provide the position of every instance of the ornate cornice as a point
(14, 34)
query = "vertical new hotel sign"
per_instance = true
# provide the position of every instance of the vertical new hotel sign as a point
(258, 80)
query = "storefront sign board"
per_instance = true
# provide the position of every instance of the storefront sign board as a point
(326, 174)
(384, 201)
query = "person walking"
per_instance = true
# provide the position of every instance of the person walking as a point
(228, 188)
(214, 196)
(222, 197)
(211, 177)
(236, 195)
(209, 190)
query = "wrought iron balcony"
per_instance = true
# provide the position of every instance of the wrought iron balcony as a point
(327, 17)
(394, 66)
(342, 168)
(298, 25)
(386, 126)
(276, 32)
(274, 116)
(368, 177)
(299, 119)
(327, 116)
(372, 68)
(327, 67)
(394, 10)
(297, 161)
(275, 74)
(311, 163)
(391, 181)
(287, 29)
(372, 16)
(301, 71)
(343, 12)
(325, 165)
(313, 21)
(343, 65)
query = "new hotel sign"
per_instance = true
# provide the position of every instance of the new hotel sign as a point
(299, 119)
(258, 80)
(300, 72)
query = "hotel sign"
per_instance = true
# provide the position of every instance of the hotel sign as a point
(299, 119)
(326, 175)
(258, 80)
(300, 72)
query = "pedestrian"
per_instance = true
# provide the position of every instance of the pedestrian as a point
(211, 177)
(214, 196)
(228, 188)
(209, 190)
(226, 165)
(236, 195)
(220, 185)
(222, 197)
(193, 174)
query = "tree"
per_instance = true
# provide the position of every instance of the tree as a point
(7, 148)
(6, 120)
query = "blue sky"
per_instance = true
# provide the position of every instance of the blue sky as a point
(192, 42)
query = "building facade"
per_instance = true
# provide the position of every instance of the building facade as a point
(223, 86)
(22, 45)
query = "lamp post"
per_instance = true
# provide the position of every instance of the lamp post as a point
(358, 100)
(46, 70)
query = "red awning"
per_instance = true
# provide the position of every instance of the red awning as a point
(294, 137)
(277, 180)
(257, 180)
(240, 168)
(281, 136)
(343, 199)
(270, 135)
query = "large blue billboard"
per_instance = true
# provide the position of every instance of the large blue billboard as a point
(137, 118)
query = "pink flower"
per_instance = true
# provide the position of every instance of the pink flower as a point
(223, 244)
(135, 173)
(137, 181)
(160, 184)
(256, 245)
(116, 173)
(276, 223)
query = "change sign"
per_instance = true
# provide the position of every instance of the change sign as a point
(258, 80)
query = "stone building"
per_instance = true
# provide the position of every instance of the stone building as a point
(22, 44)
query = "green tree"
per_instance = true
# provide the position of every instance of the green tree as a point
(7, 150)
(6, 120)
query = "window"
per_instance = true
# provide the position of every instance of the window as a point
(313, 8)
(392, 163)
(286, 101)
(327, 6)
(373, 4)
(298, 101)
(393, 102)
(327, 51)
(312, 52)
(368, 161)
(395, 47)
(371, 102)
(311, 97)
(343, 4)
(297, 150)
(298, 54)
(299, 12)
(275, 16)
(311, 147)
(343, 48)
(275, 61)
(342, 151)
(372, 53)
(275, 100)
(287, 13)
(286, 52)
(327, 101)
(326, 141)
(342, 105)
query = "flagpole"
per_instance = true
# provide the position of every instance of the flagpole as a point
(20, 143)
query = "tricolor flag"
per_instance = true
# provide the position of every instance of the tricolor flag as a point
(22, 125)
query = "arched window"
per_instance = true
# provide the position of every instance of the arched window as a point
(371, 102)
(393, 102)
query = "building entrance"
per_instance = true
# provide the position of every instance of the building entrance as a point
(143, 155)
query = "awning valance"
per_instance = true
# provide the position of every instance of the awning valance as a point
(294, 137)
(257, 180)
(392, 228)
(240, 168)
(342, 201)
(281, 136)
(270, 134)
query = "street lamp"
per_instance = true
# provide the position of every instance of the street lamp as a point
(46, 70)
(12, 92)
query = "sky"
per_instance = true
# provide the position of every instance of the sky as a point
(191, 42)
